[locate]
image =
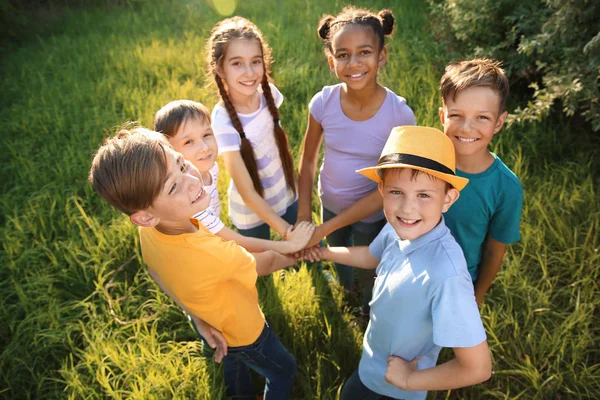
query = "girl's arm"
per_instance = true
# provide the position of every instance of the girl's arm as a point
(213, 337)
(297, 238)
(366, 206)
(357, 256)
(472, 365)
(270, 261)
(239, 173)
(307, 167)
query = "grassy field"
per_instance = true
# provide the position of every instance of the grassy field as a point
(82, 319)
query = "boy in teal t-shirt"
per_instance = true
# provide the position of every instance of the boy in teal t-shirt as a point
(487, 215)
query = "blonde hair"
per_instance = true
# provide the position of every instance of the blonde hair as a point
(129, 170)
(461, 75)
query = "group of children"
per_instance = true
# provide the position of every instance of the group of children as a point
(428, 245)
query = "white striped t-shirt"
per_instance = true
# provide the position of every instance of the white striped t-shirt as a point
(210, 217)
(258, 127)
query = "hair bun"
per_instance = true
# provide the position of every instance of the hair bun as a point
(324, 26)
(387, 21)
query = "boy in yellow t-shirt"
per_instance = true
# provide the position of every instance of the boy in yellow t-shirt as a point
(141, 175)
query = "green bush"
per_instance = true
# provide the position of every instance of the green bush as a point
(549, 46)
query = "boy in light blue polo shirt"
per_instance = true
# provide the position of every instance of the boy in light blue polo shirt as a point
(423, 296)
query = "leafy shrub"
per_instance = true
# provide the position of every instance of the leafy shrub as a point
(550, 46)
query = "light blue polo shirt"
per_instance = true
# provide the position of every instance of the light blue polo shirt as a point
(423, 300)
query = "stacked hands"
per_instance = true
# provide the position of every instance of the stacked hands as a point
(306, 238)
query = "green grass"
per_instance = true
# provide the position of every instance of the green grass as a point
(82, 319)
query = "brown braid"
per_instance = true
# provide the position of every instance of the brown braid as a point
(287, 161)
(246, 148)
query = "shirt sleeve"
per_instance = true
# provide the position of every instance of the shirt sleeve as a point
(228, 138)
(315, 107)
(505, 225)
(404, 114)
(211, 221)
(277, 95)
(456, 320)
(382, 240)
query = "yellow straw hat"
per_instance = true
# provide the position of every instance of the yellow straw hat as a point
(418, 147)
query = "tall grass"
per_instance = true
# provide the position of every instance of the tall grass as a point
(82, 319)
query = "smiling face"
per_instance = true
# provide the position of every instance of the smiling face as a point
(196, 141)
(413, 203)
(242, 68)
(471, 120)
(181, 196)
(356, 56)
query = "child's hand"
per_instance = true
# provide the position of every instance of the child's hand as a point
(399, 370)
(213, 337)
(312, 254)
(298, 235)
(317, 236)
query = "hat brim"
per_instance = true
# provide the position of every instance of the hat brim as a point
(457, 182)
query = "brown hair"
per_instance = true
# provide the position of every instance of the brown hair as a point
(170, 117)
(381, 23)
(236, 28)
(130, 169)
(461, 75)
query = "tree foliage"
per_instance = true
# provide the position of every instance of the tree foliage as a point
(553, 46)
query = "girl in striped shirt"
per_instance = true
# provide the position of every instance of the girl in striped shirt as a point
(255, 149)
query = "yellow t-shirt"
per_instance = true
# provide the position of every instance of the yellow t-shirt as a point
(213, 278)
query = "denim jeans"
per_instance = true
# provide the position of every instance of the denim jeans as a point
(357, 234)
(266, 356)
(354, 389)
(263, 231)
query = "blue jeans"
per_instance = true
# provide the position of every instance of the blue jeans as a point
(354, 389)
(357, 234)
(266, 356)
(263, 231)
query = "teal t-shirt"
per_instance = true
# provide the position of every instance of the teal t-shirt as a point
(491, 203)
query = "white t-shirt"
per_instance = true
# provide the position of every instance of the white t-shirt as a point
(210, 217)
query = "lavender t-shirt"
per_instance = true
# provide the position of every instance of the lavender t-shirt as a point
(351, 145)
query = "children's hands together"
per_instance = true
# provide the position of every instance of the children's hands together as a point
(310, 247)
(312, 254)
(399, 370)
(318, 235)
(298, 235)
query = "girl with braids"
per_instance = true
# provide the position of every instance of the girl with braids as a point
(355, 118)
(254, 147)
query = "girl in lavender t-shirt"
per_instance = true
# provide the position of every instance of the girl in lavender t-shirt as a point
(355, 118)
